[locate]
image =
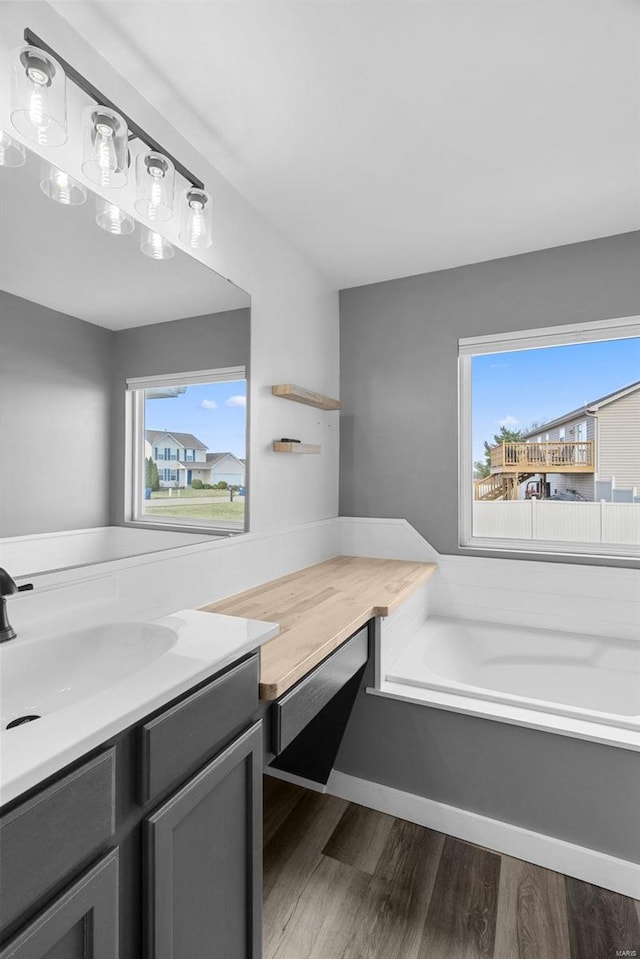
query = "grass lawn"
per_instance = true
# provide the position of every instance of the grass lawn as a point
(180, 494)
(222, 511)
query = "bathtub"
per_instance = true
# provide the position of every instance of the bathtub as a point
(42, 552)
(571, 682)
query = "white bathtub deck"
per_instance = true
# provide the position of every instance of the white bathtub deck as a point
(556, 682)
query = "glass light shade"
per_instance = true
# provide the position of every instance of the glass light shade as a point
(39, 100)
(155, 246)
(197, 218)
(155, 176)
(12, 153)
(112, 219)
(106, 147)
(59, 186)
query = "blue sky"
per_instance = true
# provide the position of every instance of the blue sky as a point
(215, 413)
(529, 386)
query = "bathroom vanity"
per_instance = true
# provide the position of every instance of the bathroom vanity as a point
(149, 842)
(147, 743)
(125, 827)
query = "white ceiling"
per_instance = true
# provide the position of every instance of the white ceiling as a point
(391, 137)
(56, 256)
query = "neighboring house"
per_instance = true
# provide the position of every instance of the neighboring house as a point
(227, 467)
(182, 457)
(590, 449)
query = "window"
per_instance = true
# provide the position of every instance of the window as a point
(550, 440)
(207, 411)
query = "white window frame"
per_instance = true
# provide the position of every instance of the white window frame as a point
(134, 450)
(468, 347)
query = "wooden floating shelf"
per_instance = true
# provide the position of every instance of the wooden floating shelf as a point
(298, 394)
(279, 447)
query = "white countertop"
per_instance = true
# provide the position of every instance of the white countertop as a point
(205, 644)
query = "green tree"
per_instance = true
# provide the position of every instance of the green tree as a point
(504, 436)
(148, 473)
(151, 475)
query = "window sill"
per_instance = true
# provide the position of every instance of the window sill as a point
(218, 532)
(544, 549)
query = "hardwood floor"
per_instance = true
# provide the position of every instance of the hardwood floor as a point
(345, 882)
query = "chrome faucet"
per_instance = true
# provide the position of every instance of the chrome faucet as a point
(7, 588)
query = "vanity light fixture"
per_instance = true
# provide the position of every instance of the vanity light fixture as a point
(196, 219)
(39, 114)
(155, 176)
(106, 147)
(155, 246)
(39, 102)
(112, 219)
(12, 153)
(59, 186)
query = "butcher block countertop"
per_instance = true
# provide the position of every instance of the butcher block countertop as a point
(318, 607)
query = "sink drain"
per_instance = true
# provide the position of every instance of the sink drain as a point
(21, 720)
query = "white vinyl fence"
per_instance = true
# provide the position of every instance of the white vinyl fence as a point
(568, 522)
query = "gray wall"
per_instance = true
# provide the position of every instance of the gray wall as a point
(398, 367)
(195, 343)
(582, 792)
(55, 384)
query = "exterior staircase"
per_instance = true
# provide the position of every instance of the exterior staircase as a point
(499, 486)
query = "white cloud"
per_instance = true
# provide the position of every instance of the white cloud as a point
(236, 401)
(509, 422)
(209, 405)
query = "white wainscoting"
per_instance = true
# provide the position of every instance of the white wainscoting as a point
(154, 584)
(595, 600)
(386, 538)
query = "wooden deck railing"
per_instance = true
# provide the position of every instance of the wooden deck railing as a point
(546, 457)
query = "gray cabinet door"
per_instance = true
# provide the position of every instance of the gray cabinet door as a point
(82, 923)
(204, 861)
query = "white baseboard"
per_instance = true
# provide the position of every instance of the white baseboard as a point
(589, 865)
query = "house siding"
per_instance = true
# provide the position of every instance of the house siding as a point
(619, 441)
(569, 429)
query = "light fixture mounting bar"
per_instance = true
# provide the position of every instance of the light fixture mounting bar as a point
(135, 130)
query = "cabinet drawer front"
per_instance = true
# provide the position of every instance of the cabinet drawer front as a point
(43, 840)
(180, 740)
(295, 709)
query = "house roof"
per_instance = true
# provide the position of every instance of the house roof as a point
(582, 410)
(214, 458)
(188, 440)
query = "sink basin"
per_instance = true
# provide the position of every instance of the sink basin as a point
(41, 676)
(85, 686)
